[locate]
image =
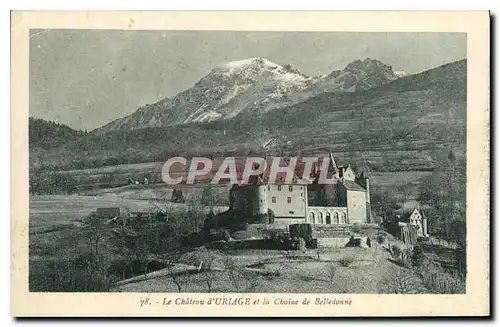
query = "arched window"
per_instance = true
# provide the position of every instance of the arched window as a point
(337, 218)
(320, 217)
(328, 218)
(312, 218)
(344, 218)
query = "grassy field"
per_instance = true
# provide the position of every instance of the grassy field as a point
(56, 209)
(267, 271)
(398, 178)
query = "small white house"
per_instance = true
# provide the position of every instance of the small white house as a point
(417, 219)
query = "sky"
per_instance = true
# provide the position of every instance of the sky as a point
(87, 78)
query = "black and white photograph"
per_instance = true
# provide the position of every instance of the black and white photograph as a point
(387, 111)
(250, 164)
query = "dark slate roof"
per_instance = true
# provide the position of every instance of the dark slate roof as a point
(351, 186)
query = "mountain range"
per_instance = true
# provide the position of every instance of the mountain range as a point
(403, 124)
(252, 86)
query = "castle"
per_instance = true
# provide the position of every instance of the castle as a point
(344, 202)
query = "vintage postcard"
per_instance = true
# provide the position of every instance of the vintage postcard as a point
(216, 164)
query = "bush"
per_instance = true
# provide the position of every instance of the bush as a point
(332, 271)
(417, 256)
(177, 196)
(396, 252)
(346, 262)
(271, 216)
(401, 281)
(223, 235)
(380, 239)
(261, 218)
(461, 260)
(353, 242)
(275, 272)
(302, 244)
(355, 228)
(207, 196)
(281, 241)
(438, 281)
(203, 259)
(51, 183)
(301, 231)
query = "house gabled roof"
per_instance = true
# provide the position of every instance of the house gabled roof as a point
(406, 214)
(333, 170)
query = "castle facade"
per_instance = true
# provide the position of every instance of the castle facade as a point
(344, 202)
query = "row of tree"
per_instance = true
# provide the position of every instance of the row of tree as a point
(47, 182)
(209, 197)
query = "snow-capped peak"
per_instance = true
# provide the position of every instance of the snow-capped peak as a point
(241, 64)
(400, 73)
(254, 85)
(259, 65)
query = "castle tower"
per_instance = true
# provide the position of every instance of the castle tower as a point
(424, 226)
(260, 199)
(234, 198)
(368, 201)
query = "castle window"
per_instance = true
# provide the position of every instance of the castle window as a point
(291, 212)
(273, 199)
(312, 217)
(290, 188)
(268, 187)
(279, 187)
(289, 200)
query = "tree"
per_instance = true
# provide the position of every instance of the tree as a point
(177, 196)
(380, 239)
(401, 281)
(205, 261)
(207, 197)
(194, 216)
(384, 203)
(417, 256)
(461, 260)
(392, 115)
(180, 278)
(405, 191)
(331, 272)
(107, 180)
(47, 182)
(143, 242)
(444, 193)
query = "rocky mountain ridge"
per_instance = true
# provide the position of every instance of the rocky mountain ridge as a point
(252, 86)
